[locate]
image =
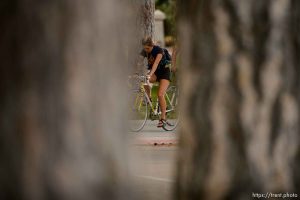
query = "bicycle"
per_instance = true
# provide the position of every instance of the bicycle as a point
(142, 108)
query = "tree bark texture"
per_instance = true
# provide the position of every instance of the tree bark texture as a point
(147, 17)
(62, 120)
(240, 98)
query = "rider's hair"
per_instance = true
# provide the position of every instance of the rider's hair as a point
(147, 41)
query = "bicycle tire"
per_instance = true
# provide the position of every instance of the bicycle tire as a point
(138, 110)
(172, 99)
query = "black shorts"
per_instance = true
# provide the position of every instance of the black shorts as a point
(163, 73)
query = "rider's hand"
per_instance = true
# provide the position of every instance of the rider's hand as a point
(149, 76)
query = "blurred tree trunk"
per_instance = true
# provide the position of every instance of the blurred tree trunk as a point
(61, 118)
(241, 95)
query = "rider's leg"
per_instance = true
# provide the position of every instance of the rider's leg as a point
(163, 86)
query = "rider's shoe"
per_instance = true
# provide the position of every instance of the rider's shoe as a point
(161, 123)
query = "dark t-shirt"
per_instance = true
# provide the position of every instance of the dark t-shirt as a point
(152, 56)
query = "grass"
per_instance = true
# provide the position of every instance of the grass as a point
(171, 115)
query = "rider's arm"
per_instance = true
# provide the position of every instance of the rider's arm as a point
(155, 64)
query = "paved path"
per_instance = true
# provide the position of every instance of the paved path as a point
(153, 171)
(153, 153)
(151, 135)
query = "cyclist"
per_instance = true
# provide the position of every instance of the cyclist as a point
(158, 71)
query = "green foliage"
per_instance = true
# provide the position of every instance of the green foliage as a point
(169, 8)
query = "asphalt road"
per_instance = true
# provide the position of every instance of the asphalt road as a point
(150, 135)
(154, 171)
(153, 151)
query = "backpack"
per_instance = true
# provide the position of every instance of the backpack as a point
(168, 57)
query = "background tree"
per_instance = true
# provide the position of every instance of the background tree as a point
(240, 98)
(147, 17)
(61, 78)
(144, 26)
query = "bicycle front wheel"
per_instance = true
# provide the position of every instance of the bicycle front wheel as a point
(138, 110)
(172, 113)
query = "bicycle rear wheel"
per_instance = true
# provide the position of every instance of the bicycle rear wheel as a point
(172, 100)
(138, 110)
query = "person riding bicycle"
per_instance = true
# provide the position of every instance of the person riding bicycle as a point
(158, 71)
